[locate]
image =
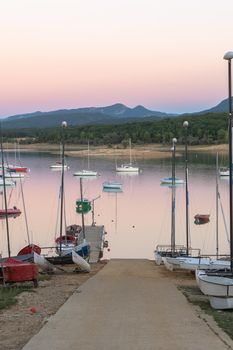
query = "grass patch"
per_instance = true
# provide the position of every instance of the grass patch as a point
(8, 294)
(223, 318)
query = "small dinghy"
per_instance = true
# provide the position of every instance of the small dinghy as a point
(200, 219)
(10, 212)
(44, 264)
(112, 185)
(80, 262)
(169, 181)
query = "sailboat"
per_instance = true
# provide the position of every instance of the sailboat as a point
(208, 263)
(128, 168)
(219, 285)
(58, 165)
(11, 269)
(17, 168)
(71, 240)
(87, 172)
(170, 250)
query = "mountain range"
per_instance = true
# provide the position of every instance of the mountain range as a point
(114, 114)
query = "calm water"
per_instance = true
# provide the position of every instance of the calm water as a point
(136, 220)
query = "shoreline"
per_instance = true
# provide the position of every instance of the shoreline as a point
(146, 151)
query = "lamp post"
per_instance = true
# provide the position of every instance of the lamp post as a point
(63, 125)
(173, 223)
(185, 126)
(228, 56)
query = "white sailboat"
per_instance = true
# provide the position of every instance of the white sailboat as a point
(163, 251)
(58, 165)
(128, 168)
(219, 285)
(204, 263)
(86, 172)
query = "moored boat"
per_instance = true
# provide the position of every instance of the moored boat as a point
(112, 185)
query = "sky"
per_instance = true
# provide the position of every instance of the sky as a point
(166, 55)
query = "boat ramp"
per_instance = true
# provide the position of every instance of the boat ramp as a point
(95, 236)
(129, 304)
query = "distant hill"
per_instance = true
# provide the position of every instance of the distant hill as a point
(117, 113)
(222, 107)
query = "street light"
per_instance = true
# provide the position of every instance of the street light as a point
(173, 224)
(228, 56)
(185, 126)
(64, 126)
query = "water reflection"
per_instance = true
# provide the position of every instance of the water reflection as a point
(136, 220)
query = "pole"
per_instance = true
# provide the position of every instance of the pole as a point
(81, 192)
(5, 201)
(185, 125)
(173, 224)
(230, 160)
(64, 125)
(217, 197)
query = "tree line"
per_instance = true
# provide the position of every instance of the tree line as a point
(203, 129)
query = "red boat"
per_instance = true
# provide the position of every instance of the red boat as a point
(17, 169)
(200, 219)
(29, 249)
(12, 271)
(10, 212)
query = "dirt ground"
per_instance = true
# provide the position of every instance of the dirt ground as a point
(146, 151)
(18, 323)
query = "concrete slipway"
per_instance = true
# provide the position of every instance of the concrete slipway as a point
(127, 305)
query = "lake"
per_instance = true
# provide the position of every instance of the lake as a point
(135, 220)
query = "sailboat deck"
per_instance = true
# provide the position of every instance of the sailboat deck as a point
(95, 236)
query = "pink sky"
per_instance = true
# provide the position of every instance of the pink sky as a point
(164, 54)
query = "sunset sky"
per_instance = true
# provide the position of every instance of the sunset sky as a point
(166, 55)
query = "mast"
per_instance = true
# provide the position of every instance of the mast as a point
(88, 160)
(217, 198)
(173, 223)
(185, 125)
(228, 56)
(81, 194)
(130, 155)
(4, 191)
(64, 125)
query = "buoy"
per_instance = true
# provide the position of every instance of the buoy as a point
(33, 310)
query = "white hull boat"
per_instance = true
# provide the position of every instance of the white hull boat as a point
(80, 262)
(7, 183)
(127, 168)
(59, 167)
(85, 173)
(169, 181)
(224, 172)
(193, 263)
(43, 263)
(112, 185)
(218, 288)
(13, 175)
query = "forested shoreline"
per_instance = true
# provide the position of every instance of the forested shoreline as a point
(203, 129)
